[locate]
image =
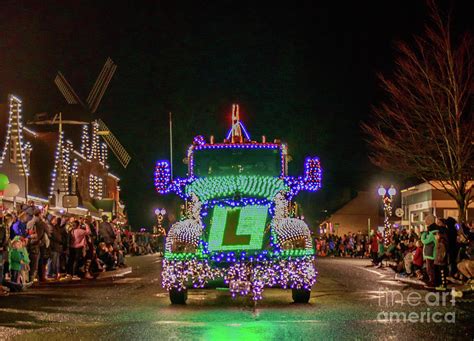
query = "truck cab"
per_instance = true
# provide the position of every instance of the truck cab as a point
(238, 228)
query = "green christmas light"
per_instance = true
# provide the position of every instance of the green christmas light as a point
(247, 186)
(237, 228)
(182, 256)
(294, 253)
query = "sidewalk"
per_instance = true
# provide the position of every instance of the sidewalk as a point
(99, 276)
(464, 291)
(59, 283)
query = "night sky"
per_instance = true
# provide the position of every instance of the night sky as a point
(304, 72)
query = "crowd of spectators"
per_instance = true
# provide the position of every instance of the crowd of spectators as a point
(350, 245)
(441, 252)
(37, 246)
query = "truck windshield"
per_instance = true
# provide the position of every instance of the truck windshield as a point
(237, 161)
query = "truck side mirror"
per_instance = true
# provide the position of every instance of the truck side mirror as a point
(312, 174)
(162, 177)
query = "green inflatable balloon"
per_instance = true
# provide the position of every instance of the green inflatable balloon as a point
(3, 181)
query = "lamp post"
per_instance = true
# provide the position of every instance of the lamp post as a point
(387, 195)
(160, 215)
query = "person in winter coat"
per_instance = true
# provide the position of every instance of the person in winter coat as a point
(4, 240)
(418, 260)
(453, 249)
(19, 226)
(25, 267)
(440, 262)
(429, 248)
(15, 258)
(58, 236)
(466, 266)
(36, 232)
(106, 231)
(374, 247)
(94, 236)
(77, 246)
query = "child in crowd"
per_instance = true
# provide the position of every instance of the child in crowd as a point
(418, 260)
(106, 256)
(15, 259)
(25, 267)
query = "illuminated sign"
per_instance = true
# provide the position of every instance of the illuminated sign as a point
(237, 228)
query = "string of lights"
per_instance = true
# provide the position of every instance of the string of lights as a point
(14, 136)
(290, 273)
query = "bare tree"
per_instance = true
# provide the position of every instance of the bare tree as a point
(425, 126)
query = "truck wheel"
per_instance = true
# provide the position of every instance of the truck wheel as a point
(178, 297)
(301, 295)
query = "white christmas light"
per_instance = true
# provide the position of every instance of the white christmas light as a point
(15, 133)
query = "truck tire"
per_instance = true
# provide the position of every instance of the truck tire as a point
(178, 297)
(301, 295)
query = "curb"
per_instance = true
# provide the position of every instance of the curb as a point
(101, 276)
(116, 273)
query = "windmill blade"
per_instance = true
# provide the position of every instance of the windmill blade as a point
(98, 81)
(66, 89)
(114, 144)
(107, 80)
(101, 84)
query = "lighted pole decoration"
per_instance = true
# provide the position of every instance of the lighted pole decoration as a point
(387, 196)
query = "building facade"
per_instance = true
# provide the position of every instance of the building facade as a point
(64, 166)
(421, 200)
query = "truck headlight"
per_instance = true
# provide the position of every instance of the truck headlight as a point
(292, 244)
(180, 246)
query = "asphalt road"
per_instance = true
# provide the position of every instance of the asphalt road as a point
(347, 303)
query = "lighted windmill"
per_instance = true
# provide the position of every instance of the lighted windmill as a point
(91, 105)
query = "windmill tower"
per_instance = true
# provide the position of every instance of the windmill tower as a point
(80, 172)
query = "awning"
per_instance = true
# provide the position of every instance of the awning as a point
(106, 205)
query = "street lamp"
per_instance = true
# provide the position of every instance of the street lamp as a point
(160, 214)
(160, 211)
(382, 191)
(387, 195)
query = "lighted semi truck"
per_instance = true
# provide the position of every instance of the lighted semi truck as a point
(239, 227)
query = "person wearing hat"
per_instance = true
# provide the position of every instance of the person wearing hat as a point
(428, 238)
(29, 210)
(19, 226)
(16, 259)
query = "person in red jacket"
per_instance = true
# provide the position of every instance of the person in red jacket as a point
(374, 246)
(418, 260)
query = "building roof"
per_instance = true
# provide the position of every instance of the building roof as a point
(71, 114)
(434, 185)
(72, 132)
(365, 203)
